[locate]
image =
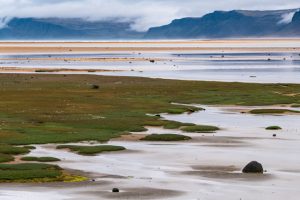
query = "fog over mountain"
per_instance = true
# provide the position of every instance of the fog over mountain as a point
(144, 19)
(142, 14)
(236, 23)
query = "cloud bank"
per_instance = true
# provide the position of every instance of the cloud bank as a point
(143, 13)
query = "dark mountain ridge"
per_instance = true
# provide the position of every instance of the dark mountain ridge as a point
(56, 28)
(235, 23)
(218, 24)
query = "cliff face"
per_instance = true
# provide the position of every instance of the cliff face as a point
(236, 23)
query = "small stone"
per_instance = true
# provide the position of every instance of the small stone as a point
(115, 190)
(274, 135)
(254, 167)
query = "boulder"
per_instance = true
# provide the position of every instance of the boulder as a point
(254, 167)
(115, 190)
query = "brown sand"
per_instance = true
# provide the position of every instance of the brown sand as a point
(34, 49)
(116, 59)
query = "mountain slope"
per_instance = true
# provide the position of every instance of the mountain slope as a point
(236, 23)
(55, 28)
(219, 24)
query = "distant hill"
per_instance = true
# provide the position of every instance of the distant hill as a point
(56, 28)
(236, 23)
(219, 24)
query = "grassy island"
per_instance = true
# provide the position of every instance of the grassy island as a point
(165, 137)
(91, 150)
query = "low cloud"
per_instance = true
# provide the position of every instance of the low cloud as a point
(143, 13)
(287, 18)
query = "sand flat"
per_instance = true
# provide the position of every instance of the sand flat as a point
(242, 45)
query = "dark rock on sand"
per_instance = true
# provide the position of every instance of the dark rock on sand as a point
(254, 167)
(115, 190)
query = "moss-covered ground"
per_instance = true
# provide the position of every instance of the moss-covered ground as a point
(43, 108)
(166, 137)
(273, 111)
(37, 109)
(200, 129)
(40, 159)
(91, 150)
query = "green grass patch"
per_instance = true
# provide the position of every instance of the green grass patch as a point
(53, 108)
(272, 111)
(180, 110)
(6, 158)
(12, 150)
(200, 129)
(23, 172)
(40, 159)
(29, 147)
(165, 137)
(273, 128)
(35, 173)
(168, 124)
(91, 150)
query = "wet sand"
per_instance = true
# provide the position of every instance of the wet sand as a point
(248, 60)
(247, 45)
(207, 167)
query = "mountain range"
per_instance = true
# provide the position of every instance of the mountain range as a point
(74, 28)
(219, 24)
(236, 23)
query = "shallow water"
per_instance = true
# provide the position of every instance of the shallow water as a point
(169, 166)
(233, 67)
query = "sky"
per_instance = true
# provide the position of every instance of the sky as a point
(143, 13)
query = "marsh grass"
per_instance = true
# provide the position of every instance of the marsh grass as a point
(168, 124)
(91, 150)
(200, 129)
(6, 158)
(273, 111)
(40, 159)
(19, 172)
(165, 137)
(273, 128)
(12, 150)
(183, 109)
(62, 109)
(35, 173)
